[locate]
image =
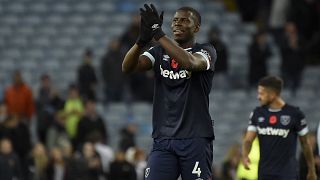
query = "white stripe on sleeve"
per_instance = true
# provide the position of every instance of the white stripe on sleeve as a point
(303, 132)
(252, 128)
(206, 58)
(150, 57)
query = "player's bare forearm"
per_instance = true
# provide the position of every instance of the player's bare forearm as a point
(246, 147)
(247, 143)
(131, 59)
(307, 151)
(185, 59)
(133, 62)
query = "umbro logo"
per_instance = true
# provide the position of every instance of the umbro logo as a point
(165, 57)
(261, 119)
(155, 26)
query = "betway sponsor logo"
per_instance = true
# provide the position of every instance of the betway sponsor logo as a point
(175, 75)
(273, 131)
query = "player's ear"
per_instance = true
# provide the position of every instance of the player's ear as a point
(273, 94)
(197, 28)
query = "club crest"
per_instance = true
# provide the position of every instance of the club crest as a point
(285, 120)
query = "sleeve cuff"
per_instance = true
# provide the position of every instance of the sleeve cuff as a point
(252, 128)
(206, 58)
(150, 57)
(304, 131)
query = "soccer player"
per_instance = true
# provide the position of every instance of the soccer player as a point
(278, 126)
(182, 126)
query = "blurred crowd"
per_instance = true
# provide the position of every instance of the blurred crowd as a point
(294, 25)
(51, 136)
(71, 139)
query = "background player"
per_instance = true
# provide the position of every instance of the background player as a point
(182, 126)
(277, 125)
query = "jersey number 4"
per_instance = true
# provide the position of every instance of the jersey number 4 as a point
(196, 169)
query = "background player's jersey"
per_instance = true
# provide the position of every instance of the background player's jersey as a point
(277, 131)
(181, 97)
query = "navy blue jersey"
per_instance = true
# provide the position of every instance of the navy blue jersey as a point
(181, 97)
(277, 131)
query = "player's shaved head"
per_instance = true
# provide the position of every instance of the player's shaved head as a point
(195, 14)
(273, 83)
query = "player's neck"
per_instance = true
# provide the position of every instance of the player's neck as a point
(188, 44)
(277, 103)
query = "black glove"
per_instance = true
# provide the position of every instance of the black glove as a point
(152, 20)
(145, 35)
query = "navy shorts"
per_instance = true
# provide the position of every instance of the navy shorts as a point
(190, 158)
(276, 177)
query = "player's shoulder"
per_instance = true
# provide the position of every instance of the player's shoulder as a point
(257, 111)
(153, 52)
(260, 109)
(206, 48)
(292, 108)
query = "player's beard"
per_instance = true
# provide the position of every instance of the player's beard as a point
(266, 102)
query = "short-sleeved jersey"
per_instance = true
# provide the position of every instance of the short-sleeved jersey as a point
(277, 130)
(181, 97)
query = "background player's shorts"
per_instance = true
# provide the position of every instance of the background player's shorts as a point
(192, 158)
(276, 178)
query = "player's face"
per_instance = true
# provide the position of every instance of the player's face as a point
(265, 96)
(184, 26)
